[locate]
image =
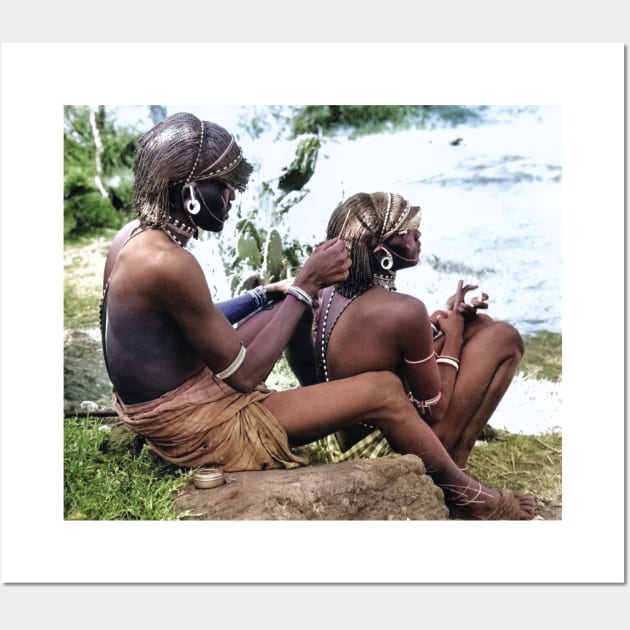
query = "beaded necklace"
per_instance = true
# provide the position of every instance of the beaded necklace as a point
(172, 236)
(178, 229)
(388, 282)
(326, 338)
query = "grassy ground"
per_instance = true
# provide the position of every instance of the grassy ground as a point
(110, 475)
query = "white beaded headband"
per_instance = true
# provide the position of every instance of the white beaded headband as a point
(207, 172)
(387, 211)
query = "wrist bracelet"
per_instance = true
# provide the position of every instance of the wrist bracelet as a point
(300, 294)
(448, 361)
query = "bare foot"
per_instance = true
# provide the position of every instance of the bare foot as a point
(494, 505)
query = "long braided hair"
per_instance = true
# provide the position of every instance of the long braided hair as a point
(364, 221)
(179, 150)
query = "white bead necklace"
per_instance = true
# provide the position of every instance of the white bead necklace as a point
(326, 338)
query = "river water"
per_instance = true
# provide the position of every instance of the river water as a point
(490, 194)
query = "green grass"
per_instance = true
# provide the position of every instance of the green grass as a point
(109, 474)
(80, 308)
(543, 356)
(530, 463)
(83, 268)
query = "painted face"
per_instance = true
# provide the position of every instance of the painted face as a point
(215, 198)
(405, 247)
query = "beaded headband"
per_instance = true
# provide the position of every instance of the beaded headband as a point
(171, 154)
(363, 220)
(208, 173)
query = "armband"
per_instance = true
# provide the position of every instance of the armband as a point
(448, 361)
(230, 369)
(434, 353)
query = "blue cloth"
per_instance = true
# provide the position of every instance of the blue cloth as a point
(246, 305)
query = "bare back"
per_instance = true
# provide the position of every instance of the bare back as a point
(374, 332)
(146, 352)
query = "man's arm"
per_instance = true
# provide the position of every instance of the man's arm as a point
(181, 289)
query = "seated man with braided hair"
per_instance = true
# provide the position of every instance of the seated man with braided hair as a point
(456, 365)
(192, 383)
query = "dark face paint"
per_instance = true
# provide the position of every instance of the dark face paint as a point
(214, 200)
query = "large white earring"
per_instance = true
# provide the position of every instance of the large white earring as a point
(387, 262)
(193, 206)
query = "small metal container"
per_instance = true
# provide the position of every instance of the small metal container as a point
(208, 478)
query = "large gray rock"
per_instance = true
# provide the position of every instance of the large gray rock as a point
(392, 488)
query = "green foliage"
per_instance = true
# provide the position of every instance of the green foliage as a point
(262, 250)
(357, 120)
(115, 479)
(300, 171)
(249, 251)
(98, 159)
(543, 356)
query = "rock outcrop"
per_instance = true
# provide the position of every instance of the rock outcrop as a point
(389, 488)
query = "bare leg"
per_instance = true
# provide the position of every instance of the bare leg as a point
(310, 413)
(490, 356)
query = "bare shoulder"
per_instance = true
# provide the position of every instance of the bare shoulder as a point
(392, 312)
(154, 262)
(407, 308)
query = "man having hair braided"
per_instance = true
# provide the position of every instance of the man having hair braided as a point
(455, 365)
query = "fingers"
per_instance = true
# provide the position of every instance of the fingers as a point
(332, 262)
(457, 302)
(459, 293)
(332, 243)
(469, 287)
(477, 303)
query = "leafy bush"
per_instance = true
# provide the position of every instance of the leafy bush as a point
(98, 158)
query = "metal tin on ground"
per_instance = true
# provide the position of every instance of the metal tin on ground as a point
(208, 478)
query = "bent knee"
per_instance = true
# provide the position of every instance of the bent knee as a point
(385, 386)
(504, 335)
(390, 391)
(511, 337)
(382, 379)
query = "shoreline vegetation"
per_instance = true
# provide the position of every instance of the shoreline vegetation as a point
(109, 474)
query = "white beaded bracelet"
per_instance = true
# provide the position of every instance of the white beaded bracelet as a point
(300, 294)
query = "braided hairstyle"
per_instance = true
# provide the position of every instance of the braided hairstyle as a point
(179, 150)
(364, 221)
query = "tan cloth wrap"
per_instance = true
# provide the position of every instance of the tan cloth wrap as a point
(206, 422)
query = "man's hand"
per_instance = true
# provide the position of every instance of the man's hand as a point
(328, 264)
(469, 311)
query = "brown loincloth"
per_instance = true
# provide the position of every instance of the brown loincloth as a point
(205, 422)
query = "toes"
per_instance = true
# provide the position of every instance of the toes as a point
(529, 503)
